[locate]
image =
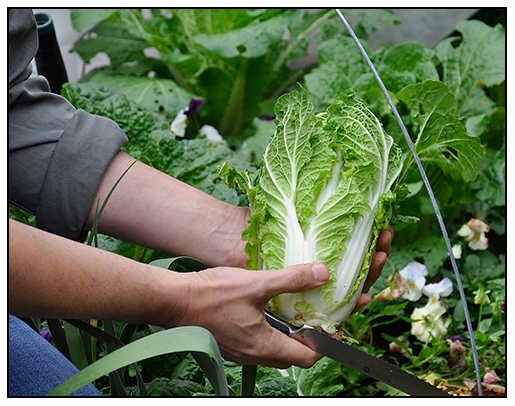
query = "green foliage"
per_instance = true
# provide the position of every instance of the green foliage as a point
(451, 98)
(239, 56)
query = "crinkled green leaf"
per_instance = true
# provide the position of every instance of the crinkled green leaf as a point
(490, 182)
(341, 66)
(442, 139)
(480, 57)
(321, 379)
(98, 99)
(406, 63)
(175, 387)
(277, 387)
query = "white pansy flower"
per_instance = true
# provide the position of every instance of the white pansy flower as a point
(428, 322)
(415, 276)
(435, 291)
(178, 127)
(211, 133)
(474, 231)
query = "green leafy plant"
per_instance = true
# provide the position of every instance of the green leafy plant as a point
(322, 195)
(451, 98)
(240, 56)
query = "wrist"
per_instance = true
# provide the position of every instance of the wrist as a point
(235, 254)
(172, 297)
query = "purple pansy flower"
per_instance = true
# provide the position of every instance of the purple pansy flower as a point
(269, 117)
(45, 333)
(194, 107)
(456, 337)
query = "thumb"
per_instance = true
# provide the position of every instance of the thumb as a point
(297, 278)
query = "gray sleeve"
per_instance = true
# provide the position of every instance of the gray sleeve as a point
(57, 154)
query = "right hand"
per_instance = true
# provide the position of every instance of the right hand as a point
(230, 303)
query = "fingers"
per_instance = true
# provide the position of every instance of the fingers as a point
(376, 266)
(281, 351)
(295, 278)
(383, 249)
(363, 301)
(384, 241)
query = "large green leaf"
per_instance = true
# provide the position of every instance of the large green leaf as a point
(321, 379)
(195, 339)
(152, 94)
(113, 38)
(341, 66)
(250, 42)
(83, 18)
(442, 139)
(480, 56)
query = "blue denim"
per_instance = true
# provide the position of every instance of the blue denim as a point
(36, 366)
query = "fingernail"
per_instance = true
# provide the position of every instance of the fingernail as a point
(320, 272)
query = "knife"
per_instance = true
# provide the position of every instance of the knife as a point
(356, 359)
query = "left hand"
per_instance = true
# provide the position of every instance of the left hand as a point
(383, 249)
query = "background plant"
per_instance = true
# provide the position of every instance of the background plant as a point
(451, 98)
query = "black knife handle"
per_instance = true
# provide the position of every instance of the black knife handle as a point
(277, 324)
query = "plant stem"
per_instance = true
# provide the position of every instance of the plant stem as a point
(233, 116)
(480, 314)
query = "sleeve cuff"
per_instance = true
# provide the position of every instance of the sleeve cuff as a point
(79, 161)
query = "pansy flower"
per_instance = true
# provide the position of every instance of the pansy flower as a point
(457, 251)
(193, 108)
(211, 134)
(474, 232)
(268, 117)
(415, 276)
(455, 345)
(434, 291)
(428, 323)
(46, 334)
(178, 127)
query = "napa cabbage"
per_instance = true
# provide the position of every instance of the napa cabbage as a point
(322, 194)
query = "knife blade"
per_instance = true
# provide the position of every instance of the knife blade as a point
(356, 359)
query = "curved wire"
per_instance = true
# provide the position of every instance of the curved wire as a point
(431, 196)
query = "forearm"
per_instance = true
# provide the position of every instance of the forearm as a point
(157, 211)
(53, 277)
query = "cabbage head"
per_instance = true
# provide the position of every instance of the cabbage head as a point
(322, 194)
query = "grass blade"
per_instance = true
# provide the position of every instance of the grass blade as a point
(178, 339)
(93, 235)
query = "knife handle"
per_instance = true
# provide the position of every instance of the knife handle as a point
(297, 333)
(277, 324)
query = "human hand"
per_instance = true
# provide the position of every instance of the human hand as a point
(230, 302)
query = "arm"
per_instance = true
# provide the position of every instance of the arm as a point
(155, 210)
(50, 276)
